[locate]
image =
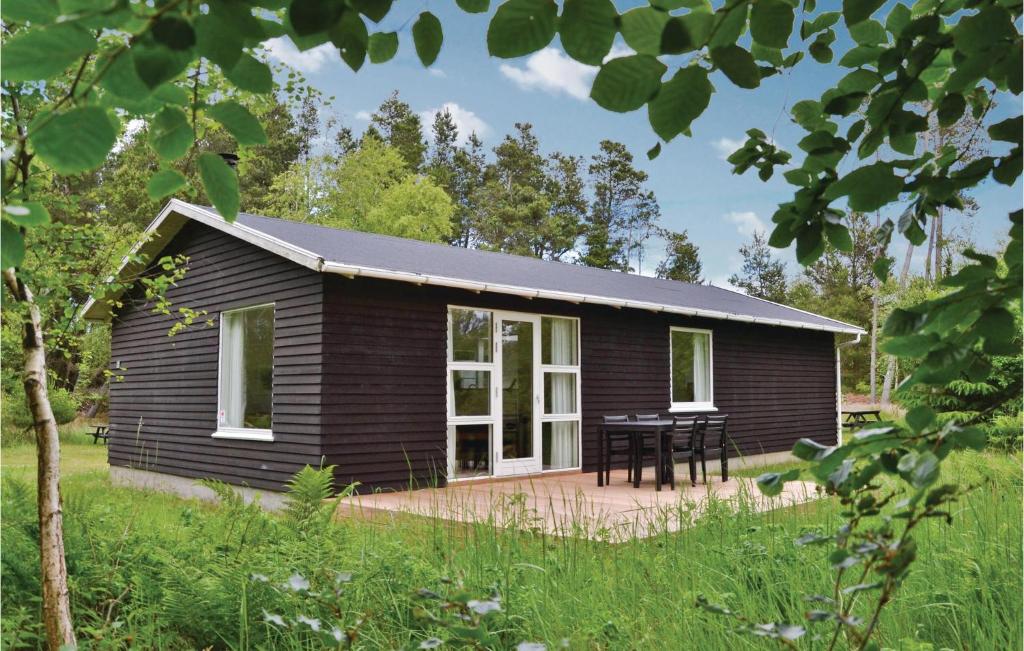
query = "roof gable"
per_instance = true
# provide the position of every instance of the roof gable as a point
(352, 253)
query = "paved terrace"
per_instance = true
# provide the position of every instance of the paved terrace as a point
(571, 504)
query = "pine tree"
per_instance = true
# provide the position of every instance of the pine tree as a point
(763, 276)
(623, 213)
(682, 258)
(399, 127)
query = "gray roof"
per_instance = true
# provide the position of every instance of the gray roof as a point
(357, 253)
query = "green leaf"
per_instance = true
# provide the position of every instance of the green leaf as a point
(474, 6)
(654, 151)
(920, 417)
(772, 483)
(951, 109)
(217, 40)
(165, 182)
(810, 245)
(28, 213)
(627, 83)
(869, 32)
(811, 450)
(771, 22)
(174, 32)
(170, 134)
(997, 326)
(989, 28)
(680, 101)
(912, 346)
(1009, 130)
(38, 53)
(859, 81)
(855, 11)
(221, 184)
(968, 437)
(861, 55)
(427, 36)
(382, 46)
(868, 188)
(839, 237)
(309, 17)
(738, 65)
(897, 19)
(239, 122)
(521, 27)
(925, 470)
(156, 64)
(642, 28)
(12, 245)
(38, 12)
(251, 74)
(75, 141)
(349, 35)
(588, 28)
(376, 10)
(729, 26)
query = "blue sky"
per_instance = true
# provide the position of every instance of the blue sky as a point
(693, 182)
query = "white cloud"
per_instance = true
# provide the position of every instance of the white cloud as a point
(131, 129)
(552, 71)
(363, 115)
(437, 72)
(726, 146)
(747, 223)
(466, 121)
(283, 50)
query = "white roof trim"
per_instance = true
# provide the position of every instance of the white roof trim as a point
(316, 263)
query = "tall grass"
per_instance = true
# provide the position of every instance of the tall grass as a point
(159, 572)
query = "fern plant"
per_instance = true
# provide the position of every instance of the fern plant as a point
(308, 493)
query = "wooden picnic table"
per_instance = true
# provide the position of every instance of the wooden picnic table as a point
(637, 429)
(860, 417)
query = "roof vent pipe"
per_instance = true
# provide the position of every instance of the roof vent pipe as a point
(230, 159)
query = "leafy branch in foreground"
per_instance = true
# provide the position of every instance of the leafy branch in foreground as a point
(886, 477)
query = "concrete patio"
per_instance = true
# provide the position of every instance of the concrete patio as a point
(571, 504)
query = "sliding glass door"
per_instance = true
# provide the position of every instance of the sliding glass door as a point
(513, 393)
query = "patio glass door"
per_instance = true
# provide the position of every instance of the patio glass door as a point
(517, 441)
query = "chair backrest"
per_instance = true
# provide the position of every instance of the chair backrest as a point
(616, 419)
(642, 417)
(685, 428)
(713, 433)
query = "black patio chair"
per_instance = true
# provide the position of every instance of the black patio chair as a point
(617, 443)
(646, 450)
(713, 439)
(683, 434)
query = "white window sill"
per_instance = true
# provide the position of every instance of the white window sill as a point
(692, 407)
(244, 434)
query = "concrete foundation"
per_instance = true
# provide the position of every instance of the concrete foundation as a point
(188, 487)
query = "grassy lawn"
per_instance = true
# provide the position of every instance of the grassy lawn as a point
(160, 572)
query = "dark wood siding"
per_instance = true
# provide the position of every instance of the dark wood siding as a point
(384, 377)
(164, 410)
(359, 373)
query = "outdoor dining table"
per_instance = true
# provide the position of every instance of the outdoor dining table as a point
(638, 430)
(860, 417)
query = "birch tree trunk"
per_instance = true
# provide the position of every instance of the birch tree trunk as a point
(890, 369)
(56, 604)
(938, 246)
(876, 288)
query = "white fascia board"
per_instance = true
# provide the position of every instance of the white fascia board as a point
(352, 271)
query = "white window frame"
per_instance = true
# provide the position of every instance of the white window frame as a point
(492, 366)
(241, 433)
(577, 416)
(687, 407)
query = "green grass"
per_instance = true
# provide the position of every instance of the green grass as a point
(162, 572)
